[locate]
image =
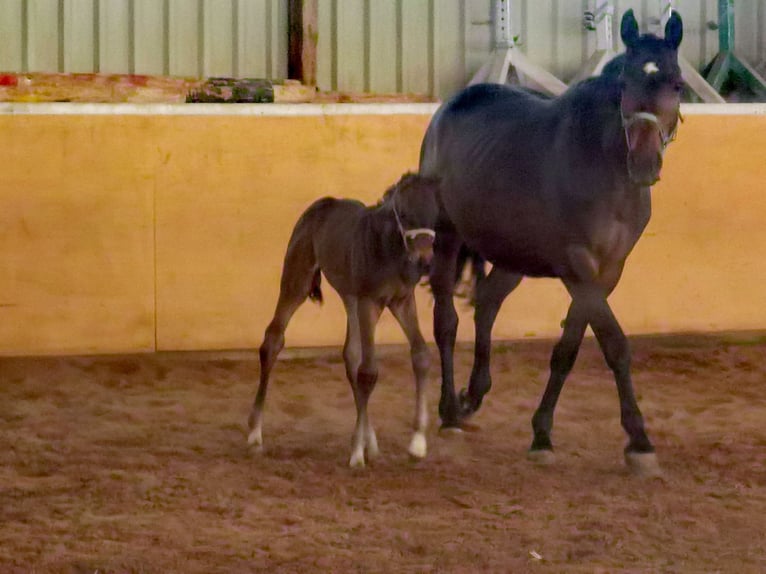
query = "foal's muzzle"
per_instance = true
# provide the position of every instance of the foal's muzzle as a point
(420, 246)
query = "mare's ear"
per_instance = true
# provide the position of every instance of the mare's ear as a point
(629, 29)
(674, 30)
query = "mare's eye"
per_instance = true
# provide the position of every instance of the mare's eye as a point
(678, 87)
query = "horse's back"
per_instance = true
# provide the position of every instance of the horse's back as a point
(489, 146)
(479, 123)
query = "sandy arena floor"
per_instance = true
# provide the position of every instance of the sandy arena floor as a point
(138, 464)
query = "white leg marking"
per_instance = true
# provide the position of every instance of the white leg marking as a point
(255, 438)
(371, 442)
(644, 464)
(543, 457)
(357, 442)
(357, 458)
(418, 447)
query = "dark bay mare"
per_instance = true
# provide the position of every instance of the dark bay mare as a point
(552, 187)
(373, 257)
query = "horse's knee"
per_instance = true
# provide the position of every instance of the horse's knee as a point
(617, 355)
(273, 342)
(366, 379)
(445, 319)
(421, 359)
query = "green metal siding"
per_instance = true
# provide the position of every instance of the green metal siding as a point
(418, 46)
(176, 37)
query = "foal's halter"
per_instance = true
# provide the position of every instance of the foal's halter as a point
(409, 233)
(665, 138)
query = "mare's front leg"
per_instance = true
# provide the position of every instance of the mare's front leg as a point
(562, 360)
(639, 453)
(490, 294)
(442, 279)
(405, 312)
(362, 379)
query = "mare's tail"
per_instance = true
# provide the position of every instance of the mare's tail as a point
(316, 288)
(465, 286)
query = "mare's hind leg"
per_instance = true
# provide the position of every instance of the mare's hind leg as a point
(360, 342)
(442, 279)
(562, 360)
(405, 312)
(299, 278)
(490, 294)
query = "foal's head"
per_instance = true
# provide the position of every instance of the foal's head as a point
(651, 95)
(413, 202)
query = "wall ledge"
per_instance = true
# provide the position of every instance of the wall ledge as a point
(297, 110)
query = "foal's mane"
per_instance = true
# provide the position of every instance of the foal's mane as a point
(404, 181)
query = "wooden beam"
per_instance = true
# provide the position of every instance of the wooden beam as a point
(310, 37)
(302, 18)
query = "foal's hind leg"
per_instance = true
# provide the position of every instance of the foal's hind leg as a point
(406, 314)
(298, 279)
(362, 373)
(490, 294)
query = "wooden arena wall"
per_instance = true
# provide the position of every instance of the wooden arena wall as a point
(147, 228)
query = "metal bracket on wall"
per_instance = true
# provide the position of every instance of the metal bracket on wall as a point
(505, 55)
(727, 64)
(700, 88)
(599, 20)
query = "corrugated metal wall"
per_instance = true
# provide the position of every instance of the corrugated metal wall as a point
(434, 46)
(418, 46)
(175, 37)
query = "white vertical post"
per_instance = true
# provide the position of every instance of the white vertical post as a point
(693, 79)
(503, 34)
(666, 10)
(603, 20)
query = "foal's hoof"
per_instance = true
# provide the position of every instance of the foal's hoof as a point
(255, 440)
(542, 457)
(418, 447)
(356, 461)
(643, 464)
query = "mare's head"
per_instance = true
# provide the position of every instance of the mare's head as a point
(651, 95)
(413, 202)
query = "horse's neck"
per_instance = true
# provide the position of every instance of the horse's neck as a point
(595, 132)
(380, 235)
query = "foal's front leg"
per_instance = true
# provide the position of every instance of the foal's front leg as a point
(406, 314)
(362, 325)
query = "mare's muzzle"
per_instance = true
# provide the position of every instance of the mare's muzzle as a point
(644, 160)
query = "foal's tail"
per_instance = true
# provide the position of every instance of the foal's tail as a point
(316, 288)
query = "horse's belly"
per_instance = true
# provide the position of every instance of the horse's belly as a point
(516, 233)
(518, 258)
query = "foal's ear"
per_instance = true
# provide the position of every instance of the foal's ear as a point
(674, 30)
(629, 29)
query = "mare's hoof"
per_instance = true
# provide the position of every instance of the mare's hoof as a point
(469, 427)
(643, 464)
(418, 446)
(450, 430)
(542, 457)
